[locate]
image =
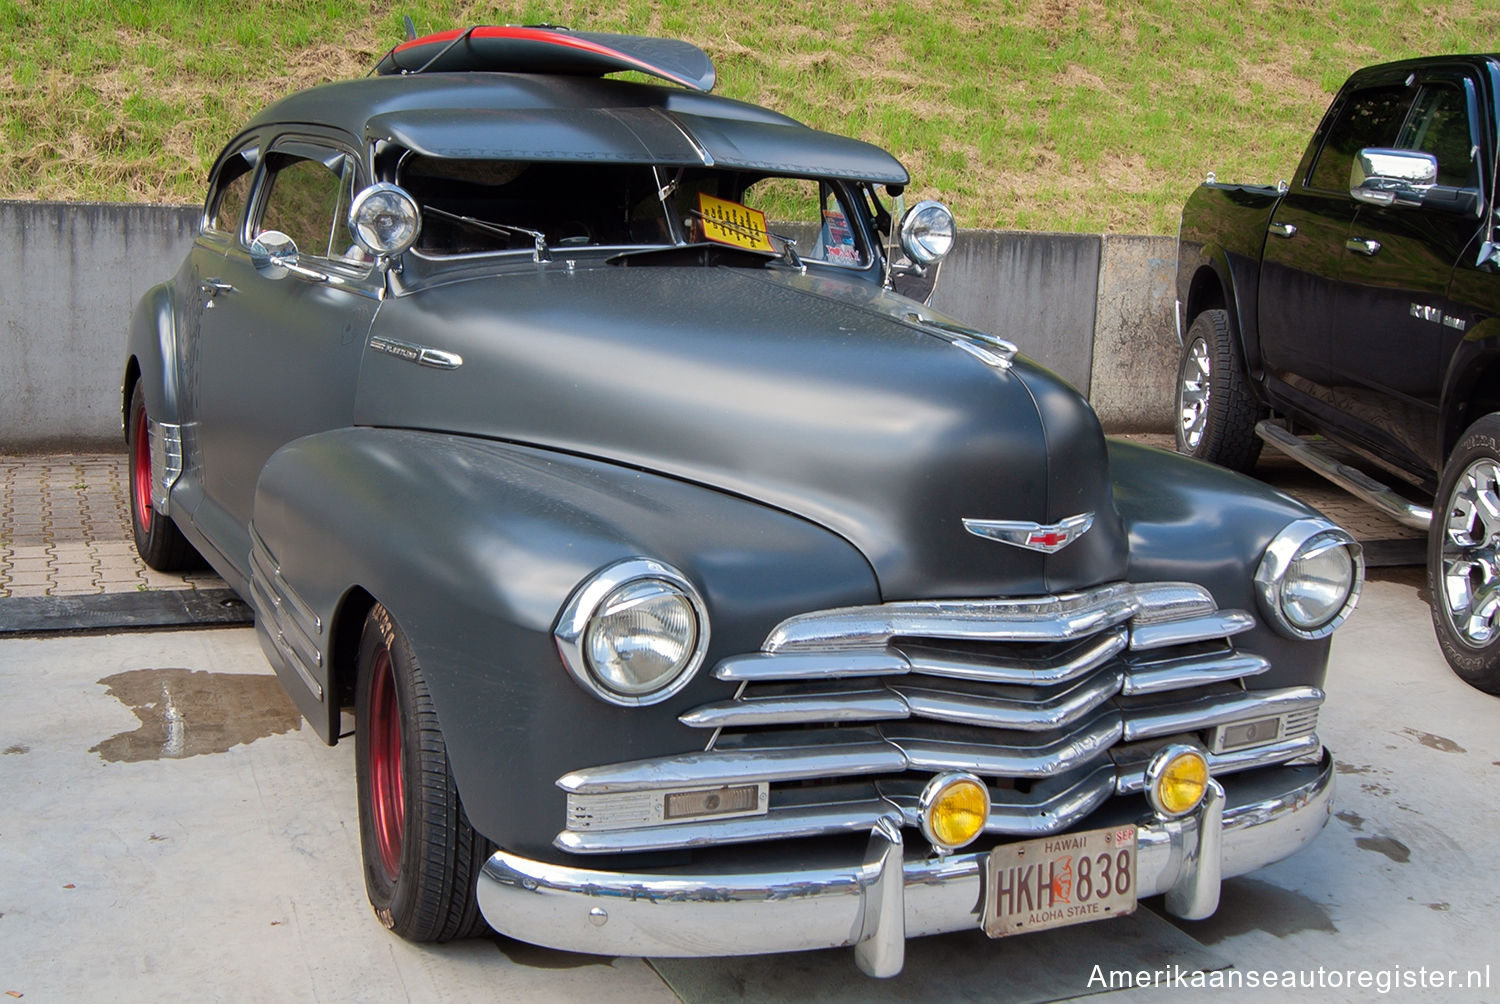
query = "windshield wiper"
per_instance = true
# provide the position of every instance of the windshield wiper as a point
(539, 252)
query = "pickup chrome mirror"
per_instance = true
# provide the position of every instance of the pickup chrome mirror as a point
(1382, 177)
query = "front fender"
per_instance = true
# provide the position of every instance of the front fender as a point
(151, 354)
(474, 546)
(1194, 522)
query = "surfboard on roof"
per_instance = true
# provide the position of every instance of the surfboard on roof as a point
(547, 49)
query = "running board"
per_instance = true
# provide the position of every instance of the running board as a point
(1353, 481)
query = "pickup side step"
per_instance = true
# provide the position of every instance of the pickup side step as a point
(1356, 482)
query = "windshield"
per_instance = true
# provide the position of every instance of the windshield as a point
(486, 206)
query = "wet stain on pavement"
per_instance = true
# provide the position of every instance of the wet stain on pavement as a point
(187, 712)
(1350, 768)
(537, 957)
(1249, 905)
(1439, 907)
(1389, 846)
(1353, 819)
(17, 749)
(1433, 742)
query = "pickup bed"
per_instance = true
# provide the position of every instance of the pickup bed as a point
(1358, 302)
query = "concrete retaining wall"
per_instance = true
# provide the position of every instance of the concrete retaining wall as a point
(1097, 310)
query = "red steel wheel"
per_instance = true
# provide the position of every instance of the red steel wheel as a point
(421, 855)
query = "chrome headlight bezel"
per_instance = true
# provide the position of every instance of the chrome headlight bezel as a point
(385, 220)
(1302, 540)
(928, 232)
(595, 595)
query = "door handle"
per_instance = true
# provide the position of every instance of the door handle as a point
(213, 287)
(1362, 245)
(1283, 229)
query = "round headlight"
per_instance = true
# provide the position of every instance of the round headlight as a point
(633, 633)
(384, 220)
(1309, 580)
(927, 232)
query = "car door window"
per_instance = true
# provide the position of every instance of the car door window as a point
(309, 201)
(1439, 125)
(231, 195)
(1369, 118)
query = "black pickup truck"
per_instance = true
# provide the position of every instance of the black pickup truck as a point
(1358, 303)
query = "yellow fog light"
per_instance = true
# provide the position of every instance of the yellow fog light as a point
(1177, 779)
(955, 808)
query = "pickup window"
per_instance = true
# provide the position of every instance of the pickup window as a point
(1369, 118)
(1439, 125)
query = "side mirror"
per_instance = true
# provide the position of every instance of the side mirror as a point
(274, 254)
(1381, 177)
(384, 220)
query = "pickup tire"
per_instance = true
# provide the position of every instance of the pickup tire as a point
(1463, 557)
(1216, 411)
(421, 855)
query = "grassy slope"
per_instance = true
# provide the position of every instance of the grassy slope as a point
(1085, 115)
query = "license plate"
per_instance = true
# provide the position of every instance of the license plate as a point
(1055, 881)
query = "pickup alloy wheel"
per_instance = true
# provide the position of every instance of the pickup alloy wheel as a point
(421, 855)
(1216, 412)
(1463, 557)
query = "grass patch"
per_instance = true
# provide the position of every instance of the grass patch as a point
(1073, 115)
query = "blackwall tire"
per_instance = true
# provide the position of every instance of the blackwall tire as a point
(421, 856)
(1463, 557)
(157, 540)
(1216, 409)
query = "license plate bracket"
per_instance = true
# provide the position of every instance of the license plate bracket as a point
(1072, 878)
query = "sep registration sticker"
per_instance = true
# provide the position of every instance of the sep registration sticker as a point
(726, 222)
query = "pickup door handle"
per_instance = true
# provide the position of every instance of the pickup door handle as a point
(213, 287)
(1283, 229)
(1362, 245)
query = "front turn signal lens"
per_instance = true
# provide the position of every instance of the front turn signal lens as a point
(955, 808)
(1177, 780)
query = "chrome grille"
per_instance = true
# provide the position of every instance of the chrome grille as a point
(1055, 701)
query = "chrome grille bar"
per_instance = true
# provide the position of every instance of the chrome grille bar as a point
(861, 706)
(1211, 627)
(1205, 712)
(1045, 810)
(1003, 713)
(1039, 619)
(1071, 667)
(719, 767)
(1192, 671)
(1046, 760)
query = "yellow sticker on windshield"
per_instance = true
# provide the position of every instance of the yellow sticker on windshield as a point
(726, 222)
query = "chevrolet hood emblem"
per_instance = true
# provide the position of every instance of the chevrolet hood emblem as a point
(1049, 538)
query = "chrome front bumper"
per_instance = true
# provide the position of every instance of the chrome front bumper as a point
(877, 903)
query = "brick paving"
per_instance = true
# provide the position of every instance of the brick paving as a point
(65, 530)
(65, 523)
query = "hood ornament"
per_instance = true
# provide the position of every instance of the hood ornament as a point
(1049, 538)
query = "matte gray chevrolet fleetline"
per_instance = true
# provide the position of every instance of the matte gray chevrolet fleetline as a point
(690, 589)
